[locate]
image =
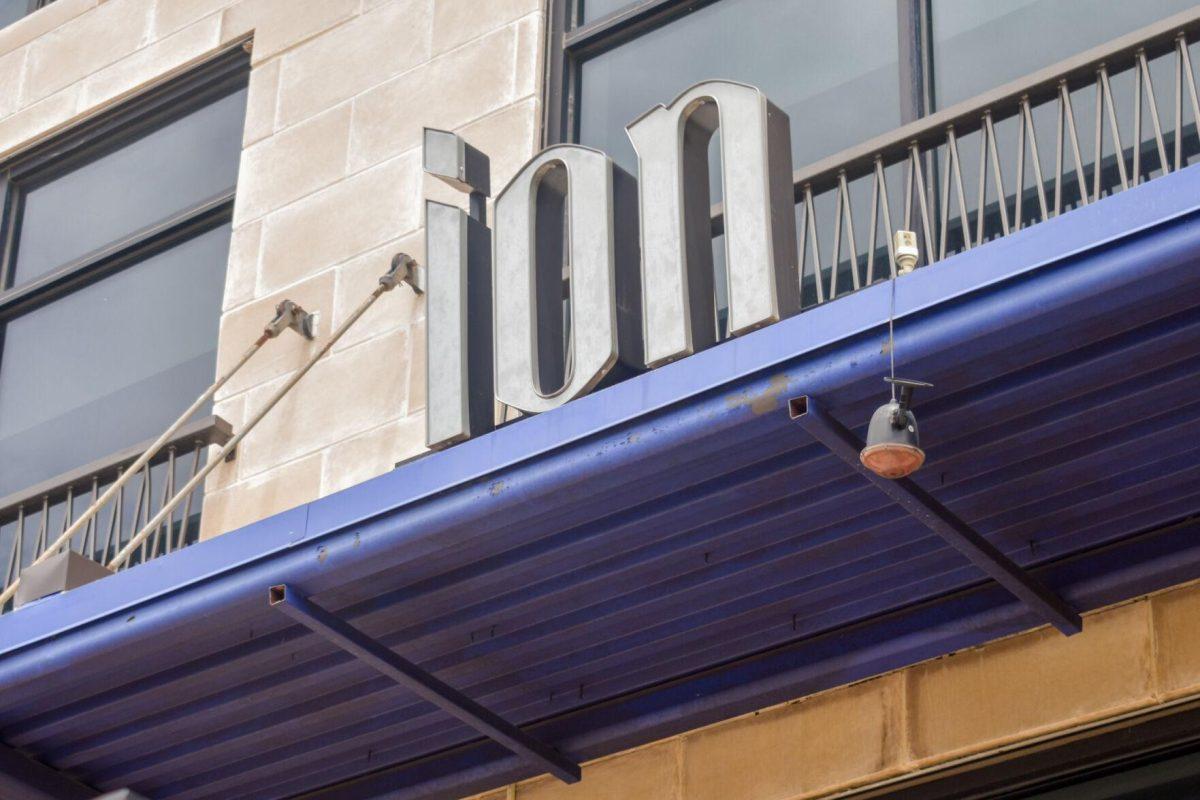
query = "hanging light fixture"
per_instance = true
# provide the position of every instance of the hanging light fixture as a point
(893, 447)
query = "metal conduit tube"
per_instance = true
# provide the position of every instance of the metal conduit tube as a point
(1111, 276)
(287, 315)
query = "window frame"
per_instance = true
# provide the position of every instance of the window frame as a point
(571, 43)
(224, 74)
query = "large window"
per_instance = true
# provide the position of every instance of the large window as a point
(1149, 755)
(837, 76)
(116, 239)
(849, 72)
(844, 72)
(979, 44)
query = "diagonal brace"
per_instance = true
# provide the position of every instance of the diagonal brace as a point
(22, 776)
(939, 519)
(412, 677)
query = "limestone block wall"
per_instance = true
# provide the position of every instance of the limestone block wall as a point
(330, 186)
(1134, 656)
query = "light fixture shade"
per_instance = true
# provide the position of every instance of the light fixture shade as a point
(893, 447)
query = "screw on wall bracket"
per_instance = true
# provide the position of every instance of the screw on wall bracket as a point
(291, 315)
(404, 269)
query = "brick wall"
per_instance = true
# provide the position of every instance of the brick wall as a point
(330, 187)
(1132, 656)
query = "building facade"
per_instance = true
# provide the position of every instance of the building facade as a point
(588, 468)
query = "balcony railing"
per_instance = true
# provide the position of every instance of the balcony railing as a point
(118, 518)
(32, 519)
(1098, 123)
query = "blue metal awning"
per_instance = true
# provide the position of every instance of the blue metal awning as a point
(669, 551)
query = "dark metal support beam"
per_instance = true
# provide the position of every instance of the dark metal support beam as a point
(412, 677)
(21, 776)
(939, 519)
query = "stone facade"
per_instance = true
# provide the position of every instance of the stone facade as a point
(1130, 657)
(330, 187)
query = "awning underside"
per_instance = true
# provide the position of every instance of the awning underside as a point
(710, 540)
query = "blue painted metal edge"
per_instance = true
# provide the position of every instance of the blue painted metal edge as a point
(191, 579)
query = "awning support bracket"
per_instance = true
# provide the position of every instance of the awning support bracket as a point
(420, 682)
(24, 777)
(928, 511)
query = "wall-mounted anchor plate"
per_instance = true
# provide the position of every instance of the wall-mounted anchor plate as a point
(291, 315)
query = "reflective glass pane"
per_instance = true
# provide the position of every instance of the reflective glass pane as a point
(831, 66)
(595, 9)
(109, 365)
(12, 10)
(980, 44)
(160, 174)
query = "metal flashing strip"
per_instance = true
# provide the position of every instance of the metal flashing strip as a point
(420, 682)
(939, 519)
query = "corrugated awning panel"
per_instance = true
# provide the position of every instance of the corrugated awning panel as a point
(577, 567)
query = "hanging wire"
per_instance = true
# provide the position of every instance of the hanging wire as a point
(892, 336)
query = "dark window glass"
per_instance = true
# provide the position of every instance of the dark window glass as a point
(144, 182)
(12, 10)
(835, 68)
(1172, 778)
(131, 213)
(111, 364)
(980, 44)
(831, 66)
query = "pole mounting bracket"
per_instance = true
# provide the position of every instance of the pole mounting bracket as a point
(291, 315)
(404, 269)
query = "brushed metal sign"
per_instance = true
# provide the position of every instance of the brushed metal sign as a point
(561, 208)
(589, 273)
(760, 226)
(458, 292)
